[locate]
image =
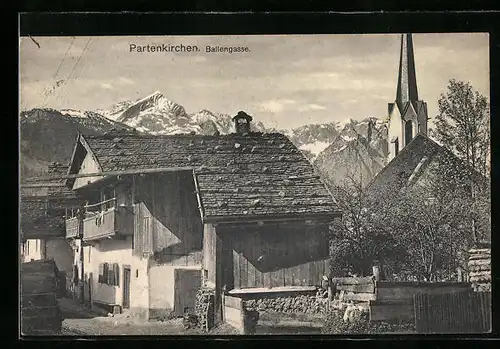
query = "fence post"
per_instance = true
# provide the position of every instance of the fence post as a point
(376, 272)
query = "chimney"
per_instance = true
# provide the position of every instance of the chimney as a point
(242, 123)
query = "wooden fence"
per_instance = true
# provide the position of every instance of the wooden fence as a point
(464, 312)
(391, 301)
(233, 313)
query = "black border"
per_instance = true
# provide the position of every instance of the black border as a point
(55, 24)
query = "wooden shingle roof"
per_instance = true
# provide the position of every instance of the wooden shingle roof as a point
(257, 174)
(409, 162)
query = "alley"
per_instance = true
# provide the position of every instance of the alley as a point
(82, 321)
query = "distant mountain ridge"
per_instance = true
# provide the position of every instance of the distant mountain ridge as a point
(48, 134)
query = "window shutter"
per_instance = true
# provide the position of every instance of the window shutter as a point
(116, 268)
(106, 273)
(100, 278)
(113, 274)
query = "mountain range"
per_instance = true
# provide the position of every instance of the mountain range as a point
(336, 149)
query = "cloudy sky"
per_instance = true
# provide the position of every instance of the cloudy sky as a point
(286, 81)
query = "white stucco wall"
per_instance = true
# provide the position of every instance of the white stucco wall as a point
(161, 283)
(395, 130)
(117, 251)
(32, 250)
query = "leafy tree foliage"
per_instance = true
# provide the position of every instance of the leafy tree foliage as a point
(462, 124)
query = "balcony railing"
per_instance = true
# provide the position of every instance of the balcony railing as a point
(72, 228)
(114, 221)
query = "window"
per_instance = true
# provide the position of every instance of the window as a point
(408, 131)
(107, 193)
(109, 274)
(395, 140)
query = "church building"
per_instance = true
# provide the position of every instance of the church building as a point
(407, 114)
(413, 157)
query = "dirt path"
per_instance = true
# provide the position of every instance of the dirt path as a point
(108, 327)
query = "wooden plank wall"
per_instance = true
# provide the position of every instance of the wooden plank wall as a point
(401, 291)
(394, 300)
(175, 227)
(465, 312)
(187, 282)
(274, 256)
(209, 245)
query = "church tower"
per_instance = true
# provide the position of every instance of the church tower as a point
(407, 115)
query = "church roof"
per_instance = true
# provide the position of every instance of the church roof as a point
(407, 80)
(411, 162)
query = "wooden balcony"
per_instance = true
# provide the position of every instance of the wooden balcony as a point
(72, 228)
(114, 222)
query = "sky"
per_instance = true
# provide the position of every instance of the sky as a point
(284, 81)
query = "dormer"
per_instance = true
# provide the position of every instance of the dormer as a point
(242, 123)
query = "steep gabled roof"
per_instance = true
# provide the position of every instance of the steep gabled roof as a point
(238, 176)
(411, 161)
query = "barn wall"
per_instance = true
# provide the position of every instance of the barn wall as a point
(274, 255)
(209, 260)
(168, 220)
(168, 228)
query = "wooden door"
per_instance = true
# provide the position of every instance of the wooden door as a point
(126, 288)
(186, 284)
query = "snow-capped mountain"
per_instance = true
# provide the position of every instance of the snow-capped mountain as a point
(48, 134)
(156, 114)
(359, 152)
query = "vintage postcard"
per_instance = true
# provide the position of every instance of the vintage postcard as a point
(255, 184)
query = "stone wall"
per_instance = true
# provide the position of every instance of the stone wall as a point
(480, 269)
(288, 303)
(204, 308)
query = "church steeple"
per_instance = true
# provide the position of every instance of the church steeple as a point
(407, 114)
(407, 80)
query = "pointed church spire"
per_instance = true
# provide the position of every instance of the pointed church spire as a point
(407, 81)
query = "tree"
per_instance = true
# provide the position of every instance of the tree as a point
(462, 124)
(358, 240)
(432, 225)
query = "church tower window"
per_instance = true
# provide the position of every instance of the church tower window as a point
(408, 131)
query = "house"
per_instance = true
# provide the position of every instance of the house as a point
(166, 214)
(42, 224)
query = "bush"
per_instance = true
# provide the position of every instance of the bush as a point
(334, 324)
